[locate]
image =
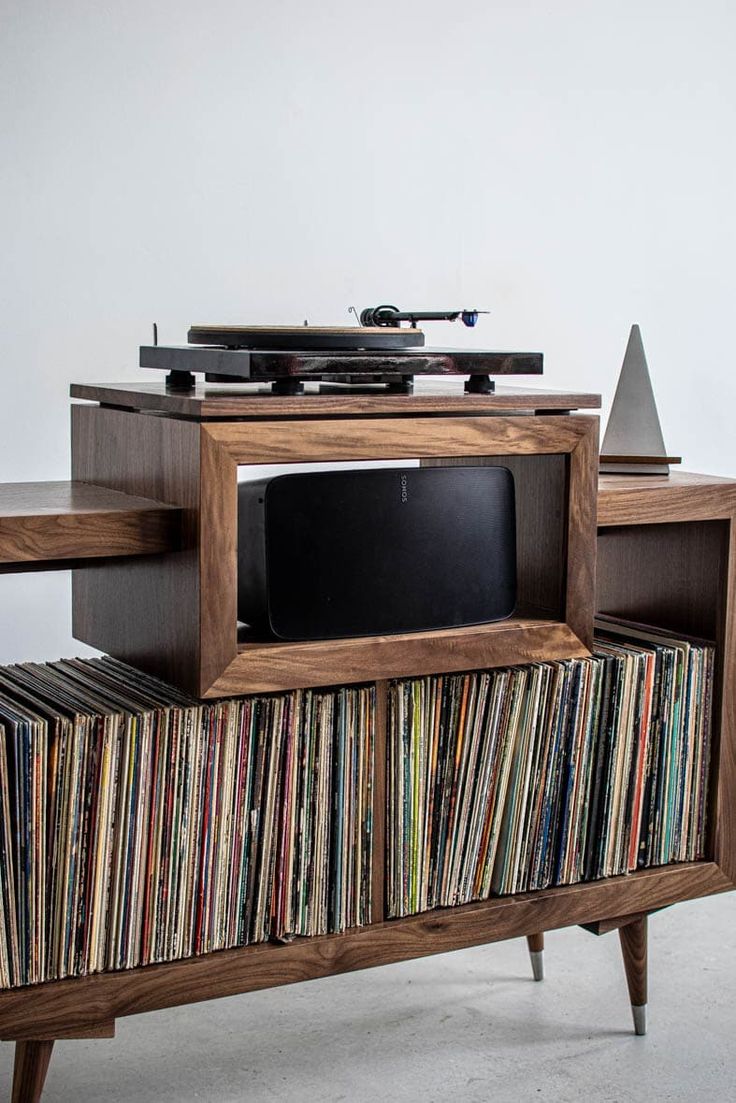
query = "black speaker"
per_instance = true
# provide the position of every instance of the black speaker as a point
(363, 553)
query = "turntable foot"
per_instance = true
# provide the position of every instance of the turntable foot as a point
(479, 384)
(287, 386)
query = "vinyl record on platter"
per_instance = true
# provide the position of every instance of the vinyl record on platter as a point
(302, 338)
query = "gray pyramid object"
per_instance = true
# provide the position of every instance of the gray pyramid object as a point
(633, 431)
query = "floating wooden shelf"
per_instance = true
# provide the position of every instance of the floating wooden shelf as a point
(48, 524)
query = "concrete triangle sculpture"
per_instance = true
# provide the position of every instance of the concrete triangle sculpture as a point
(633, 443)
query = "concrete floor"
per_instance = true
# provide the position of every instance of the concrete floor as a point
(469, 1026)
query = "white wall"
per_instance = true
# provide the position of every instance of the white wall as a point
(569, 165)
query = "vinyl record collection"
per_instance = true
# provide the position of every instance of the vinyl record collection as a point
(138, 826)
(548, 774)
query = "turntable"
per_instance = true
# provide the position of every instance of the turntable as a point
(382, 352)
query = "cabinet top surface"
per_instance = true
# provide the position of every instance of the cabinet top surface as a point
(652, 499)
(611, 486)
(250, 400)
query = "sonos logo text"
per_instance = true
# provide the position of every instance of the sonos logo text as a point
(404, 481)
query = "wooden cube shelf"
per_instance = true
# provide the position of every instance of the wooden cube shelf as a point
(177, 617)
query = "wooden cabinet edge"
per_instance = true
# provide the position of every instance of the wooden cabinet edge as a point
(69, 1004)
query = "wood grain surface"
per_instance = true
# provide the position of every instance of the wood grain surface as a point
(605, 926)
(218, 560)
(286, 441)
(85, 1000)
(581, 532)
(659, 499)
(145, 612)
(722, 806)
(209, 400)
(102, 1029)
(270, 667)
(633, 937)
(46, 521)
(29, 1073)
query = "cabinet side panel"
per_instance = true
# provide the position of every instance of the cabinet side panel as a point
(724, 845)
(143, 611)
(218, 561)
(581, 534)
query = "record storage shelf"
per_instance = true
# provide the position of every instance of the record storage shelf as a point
(682, 526)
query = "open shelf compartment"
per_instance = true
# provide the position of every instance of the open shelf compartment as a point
(667, 557)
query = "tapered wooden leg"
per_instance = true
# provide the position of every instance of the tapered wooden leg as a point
(31, 1065)
(535, 942)
(634, 949)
